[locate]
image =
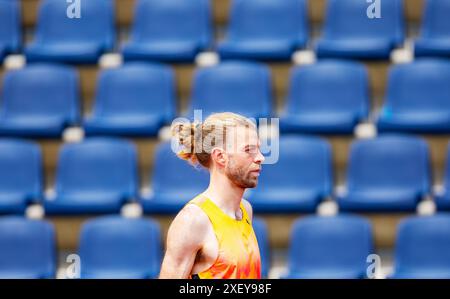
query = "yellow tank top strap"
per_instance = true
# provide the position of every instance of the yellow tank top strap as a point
(244, 213)
(213, 211)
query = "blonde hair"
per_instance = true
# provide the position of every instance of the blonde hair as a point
(191, 136)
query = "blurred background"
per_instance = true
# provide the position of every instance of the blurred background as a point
(361, 89)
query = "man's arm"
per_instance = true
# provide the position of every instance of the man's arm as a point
(184, 240)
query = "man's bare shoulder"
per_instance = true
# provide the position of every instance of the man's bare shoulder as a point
(191, 217)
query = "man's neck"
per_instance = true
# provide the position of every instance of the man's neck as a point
(226, 195)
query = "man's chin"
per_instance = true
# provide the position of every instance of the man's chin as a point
(252, 184)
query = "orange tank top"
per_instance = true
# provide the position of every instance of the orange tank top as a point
(238, 255)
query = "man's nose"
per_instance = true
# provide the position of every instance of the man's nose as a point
(259, 158)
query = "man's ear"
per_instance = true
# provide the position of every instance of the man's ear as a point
(219, 156)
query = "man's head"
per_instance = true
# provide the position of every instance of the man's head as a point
(225, 143)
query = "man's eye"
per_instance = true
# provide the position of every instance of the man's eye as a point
(250, 150)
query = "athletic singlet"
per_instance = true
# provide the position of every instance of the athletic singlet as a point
(238, 255)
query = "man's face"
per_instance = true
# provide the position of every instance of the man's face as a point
(244, 157)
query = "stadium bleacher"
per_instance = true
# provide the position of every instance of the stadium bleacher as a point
(330, 247)
(386, 174)
(434, 39)
(280, 191)
(27, 248)
(243, 87)
(10, 33)
(96, 176)
(354, 80)
(39, 101)
(136, 99)
(173, 30)
(348, 33)
(329, 97)
(422, 249)
(265, 30)
(21, 181)
(117, 247)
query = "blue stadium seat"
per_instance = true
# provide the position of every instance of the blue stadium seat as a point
(10, 32)
(349, 32)
(60, 38)
(298, 181)
(39, 101)
(329, 97)
(169, 30)
(174, 182)
(330, 247)
(260, 228)
(240, 87)
(442, 197)
(423, 248)
(135, 100)
(418, 98)
(95, 176)
(27, 248)
(20, 175)
(117, 248)
(434, 39)
(389, 174)
(265, 29)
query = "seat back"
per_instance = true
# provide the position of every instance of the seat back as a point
(117, 247)
(389, 162)
(240, 87)
(173, 20)
(98, 165)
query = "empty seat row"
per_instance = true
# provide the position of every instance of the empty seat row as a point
(99, 175)
(134, 100)
(387, 174)
(176, 30)
(110, 247)
(137, 99)
(321, 247)
(341, 247)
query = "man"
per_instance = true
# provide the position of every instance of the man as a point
(212, 236)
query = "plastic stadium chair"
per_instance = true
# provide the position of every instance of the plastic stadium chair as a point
(329, 97)
(95, 176)
(240, 87)
(265, 29)
(389, 174)
(174, 182)
(334, 247)
(136, 99)
(423, 248)
(418, 98)
(27, 248)
(20, 175)
(39, 101)
(116, 247)
(61, 37)
(442, 198)
(298, 181)
(434, 39)
(169, 30)
(10, 32)
(350, 33)
(260, 228)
